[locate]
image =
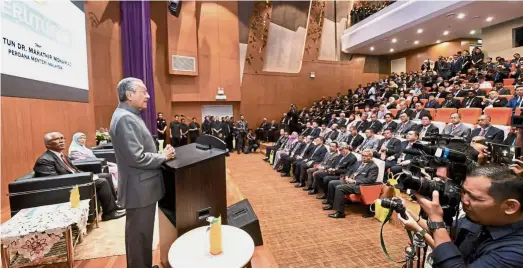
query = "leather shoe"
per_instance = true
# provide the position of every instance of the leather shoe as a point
(307, 188)
(293, 181)
(321, 196)
(284, 175)
(116, 214)
(299, 185)
(337, 215)
(327, 207)
(119, 207)
(325, 202)
(312, 192)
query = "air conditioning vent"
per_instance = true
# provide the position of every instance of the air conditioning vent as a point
(184, 63)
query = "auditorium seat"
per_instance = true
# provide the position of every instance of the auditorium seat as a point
(440, 100)
(432, 112)
(499, 115)
(510, 88)
(443, 114)
(368, 194)
(507, 96)
(508, 81)
(470, 115)
(408, 102)
(505, 129)
(440, 125)
(394, 111)
(424, 101)
(518, 111)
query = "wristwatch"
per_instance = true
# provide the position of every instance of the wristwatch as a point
(435, 225)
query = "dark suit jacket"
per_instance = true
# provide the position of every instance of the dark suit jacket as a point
(307, 131)
(307, 150)
(403, 146)
(504, 91)
(474, 102)
(393, 146)
(430, 130)
(452, 103)
(367, 175)
(50, 165)
(362, 126)
(422, 114)
(406, 110)
(344, 164)
(315, 132)
(296, 149)
(375, 125)
(318, 155)
(333, 135)
(441, 94)
(356, 141)
(500, 102)
(510, 139)
(481, 92)
(460, 93)
(432, 104)
(392, 125)
(493, 134)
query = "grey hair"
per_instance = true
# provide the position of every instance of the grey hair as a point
(125, 85)
(48, 137)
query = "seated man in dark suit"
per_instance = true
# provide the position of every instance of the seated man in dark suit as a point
(305, 154)
(389, 124)
(287, 158)
(354, 139)
(450, 102)
(432, 103)
(402, 108)
(472, 101)
(281, 140)
(494, 100)
(317, 156)
(511, 137)
(405, 125)
(485, 129)
(419, 112)
(322, 179)
(53, 162)
(362, 172)
(403, 158)
(374, 123)
(387, 147)
(426, 127)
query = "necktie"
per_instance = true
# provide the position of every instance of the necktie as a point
(482, 133)
(359, 170)
(423, 131)
(417, 115)
(67, 163)
(519, 101)
(452, 129)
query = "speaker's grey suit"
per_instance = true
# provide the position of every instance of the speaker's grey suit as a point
(140, 183)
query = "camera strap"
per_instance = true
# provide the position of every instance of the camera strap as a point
(383, 247)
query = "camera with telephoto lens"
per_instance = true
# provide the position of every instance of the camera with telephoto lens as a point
(420, 175)
(395, 204)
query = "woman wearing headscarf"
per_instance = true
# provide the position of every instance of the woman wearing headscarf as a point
(78, 151)
(293, 138)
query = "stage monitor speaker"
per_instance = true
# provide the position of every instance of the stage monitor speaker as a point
(242, 216)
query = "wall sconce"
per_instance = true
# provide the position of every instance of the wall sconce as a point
(312, 75)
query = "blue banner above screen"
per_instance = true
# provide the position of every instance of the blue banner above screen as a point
(44, 50)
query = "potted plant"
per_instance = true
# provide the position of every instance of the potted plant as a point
(102, 136)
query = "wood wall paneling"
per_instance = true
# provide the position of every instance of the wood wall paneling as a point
(184, 29)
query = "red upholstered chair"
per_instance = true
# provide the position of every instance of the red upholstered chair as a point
(424, 101)
(508, 81)
(470, 115)
(443, 114)
(432, 112)
(368, 194)
(440, 100)
(518, 111)
(510, 88)
(499, 115)
(507, 96)
(394, 111)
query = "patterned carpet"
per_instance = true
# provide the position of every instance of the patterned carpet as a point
(297, 230)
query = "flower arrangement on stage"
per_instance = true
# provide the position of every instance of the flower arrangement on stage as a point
(102, 136)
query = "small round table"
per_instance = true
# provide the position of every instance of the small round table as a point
(192, 249)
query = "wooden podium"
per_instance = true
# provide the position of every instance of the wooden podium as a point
(195, 189)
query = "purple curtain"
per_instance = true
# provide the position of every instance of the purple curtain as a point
(137, 51)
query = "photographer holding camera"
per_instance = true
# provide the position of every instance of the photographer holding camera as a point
(491, 233)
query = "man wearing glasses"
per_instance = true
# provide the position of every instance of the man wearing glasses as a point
(485, 129)
(140, 183)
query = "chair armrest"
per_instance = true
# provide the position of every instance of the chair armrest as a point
(95, 166)
(107, 154)
(40, 191)
(370, 192)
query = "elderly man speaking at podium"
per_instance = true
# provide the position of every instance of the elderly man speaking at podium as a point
(140, 183)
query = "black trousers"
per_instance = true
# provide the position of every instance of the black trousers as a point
(175, 142)
(296, 169)
(105, 193)
(192, 139)
(228, 142)
(139, 230)
(183, 141)
(317, 181)
(240, 142)
(287, 161)
(336, 194)
(303, 171)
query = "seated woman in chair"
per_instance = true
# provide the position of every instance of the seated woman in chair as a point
(78, 151)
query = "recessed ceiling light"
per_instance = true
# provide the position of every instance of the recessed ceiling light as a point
(391, 50)
(472, 32)
(371, 48)
(420, 31)
(438, 41)
(446, 33)
(394, 40)
(489, 19)
(461, 16)
(416, 42)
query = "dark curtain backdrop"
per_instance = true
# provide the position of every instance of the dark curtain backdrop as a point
(137, 51)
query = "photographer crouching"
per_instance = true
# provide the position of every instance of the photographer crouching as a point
(490, 234)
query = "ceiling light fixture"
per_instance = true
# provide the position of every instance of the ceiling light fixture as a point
(371, 48)
(438, 41)
(461, 16)
(394, 40)
(420, 31)
(472, 32)
(489, 19)
(416, 42)
(391, 50)
(446, 33)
